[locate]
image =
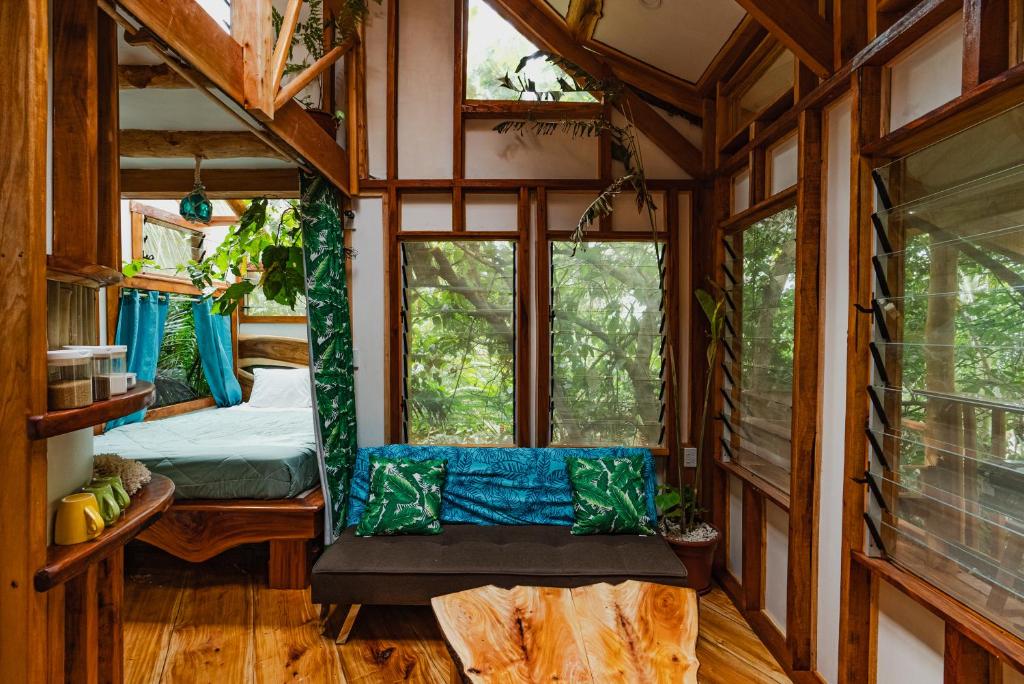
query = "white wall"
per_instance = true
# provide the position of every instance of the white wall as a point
(911, 640)
(833, 410)
(368, 318)
(68, 467)
(734, 554)
(928, 74)
(776, 564)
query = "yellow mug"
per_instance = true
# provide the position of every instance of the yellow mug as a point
(78, 519)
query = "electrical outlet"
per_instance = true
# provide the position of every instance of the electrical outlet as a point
(690, 457)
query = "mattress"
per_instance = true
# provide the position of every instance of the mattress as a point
(225, 453)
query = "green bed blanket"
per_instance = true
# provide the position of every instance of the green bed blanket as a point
(225, 453)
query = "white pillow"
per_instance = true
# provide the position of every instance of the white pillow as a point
(280, 388)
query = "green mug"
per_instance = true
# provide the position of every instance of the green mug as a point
(109, 510)
(120, 494)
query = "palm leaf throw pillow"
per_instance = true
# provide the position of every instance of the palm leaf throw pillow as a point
(404, 497)
(608, 496)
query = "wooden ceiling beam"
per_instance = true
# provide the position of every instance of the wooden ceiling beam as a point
(220, 183)
(745, 38)
(651, 80)
(582, 17)
(194, 35)
(156, 76)
(207, 144)
(798, 26)
(544, 27)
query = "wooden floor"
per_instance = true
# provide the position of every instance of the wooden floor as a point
(217, 623)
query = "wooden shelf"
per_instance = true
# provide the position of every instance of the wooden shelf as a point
(53, 423)
(64, 562)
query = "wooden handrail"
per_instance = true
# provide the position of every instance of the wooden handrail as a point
(292, 88)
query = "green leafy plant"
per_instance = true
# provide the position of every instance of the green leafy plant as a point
(312, 34)
(625, 144)
(264, 250)
(132, 268)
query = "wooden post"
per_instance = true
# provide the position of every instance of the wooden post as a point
(986, 40)
(108, 247)
(81, 627)
(251, 27)
(23, 80)
(965, 661)
(807, 396)
(75, 126)
(110, 599)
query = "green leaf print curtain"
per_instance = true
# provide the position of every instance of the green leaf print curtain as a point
(330, 345)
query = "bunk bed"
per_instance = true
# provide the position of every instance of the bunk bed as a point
(242, 474)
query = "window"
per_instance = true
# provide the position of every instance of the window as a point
(607, 344)
(459, 341)
(494, 48)
(169, 246)
(947, 393)
(257, 308)
(179, 372)
(758, 360)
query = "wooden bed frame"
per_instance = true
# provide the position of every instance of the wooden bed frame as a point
(197, 530)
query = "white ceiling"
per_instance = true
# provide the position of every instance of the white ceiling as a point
(680, 37)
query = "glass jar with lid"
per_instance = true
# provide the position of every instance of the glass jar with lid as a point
(109, 377)
(68, 379)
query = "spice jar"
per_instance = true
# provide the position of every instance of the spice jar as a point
(68, 379)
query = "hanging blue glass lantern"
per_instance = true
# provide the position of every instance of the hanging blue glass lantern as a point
(196, 206)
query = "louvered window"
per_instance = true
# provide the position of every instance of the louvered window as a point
(458, 341)
(947, 390)
(608, 330)
(757, 362)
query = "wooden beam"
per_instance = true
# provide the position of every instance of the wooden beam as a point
(220, 183)
(965, 662)
(582, 17)
(849, 29)
(292, 88)
(108, 220)
(75, 126)
(522, 109)
(208, 144)
(747, 36)
(649, 79)
(251, 27)
(284, 43)
(986, 40)
(158, 76)
(543, 26)
(26, 643)
(798, 26)
(186, 28)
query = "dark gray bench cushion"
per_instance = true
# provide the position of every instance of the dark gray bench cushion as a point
(411, 570)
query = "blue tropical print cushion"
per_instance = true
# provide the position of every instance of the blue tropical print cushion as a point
(498, 486)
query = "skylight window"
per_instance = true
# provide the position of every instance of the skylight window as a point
(494, 48)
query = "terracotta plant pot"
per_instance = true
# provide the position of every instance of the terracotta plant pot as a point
(697, 556)
(325, 120)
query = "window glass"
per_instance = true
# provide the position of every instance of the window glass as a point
(761, 288)
(607, 344)
(947, 359)
(459, 341)
(494, 48)
(258, 306)
(170, 247)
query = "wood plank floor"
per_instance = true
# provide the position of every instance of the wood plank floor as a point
(217, 623)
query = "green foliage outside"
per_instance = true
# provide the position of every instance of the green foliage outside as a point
(179, 371)
(494, 48)
(458, 309)
(607, 344)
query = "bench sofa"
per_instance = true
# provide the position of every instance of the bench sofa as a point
(506, 516)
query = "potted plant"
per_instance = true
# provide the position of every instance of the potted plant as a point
(679, 510)
(317, 36)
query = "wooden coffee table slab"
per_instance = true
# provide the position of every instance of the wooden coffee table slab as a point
(632, 632)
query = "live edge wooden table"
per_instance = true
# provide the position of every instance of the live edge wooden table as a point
(86, 582)
(634, 632)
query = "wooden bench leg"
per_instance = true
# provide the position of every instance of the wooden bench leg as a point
(289, 566)
(338, 623)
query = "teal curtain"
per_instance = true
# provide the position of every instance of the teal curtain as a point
(213, 333)
(330, 345)
(140, 327)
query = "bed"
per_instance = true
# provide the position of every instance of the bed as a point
(242, 475)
